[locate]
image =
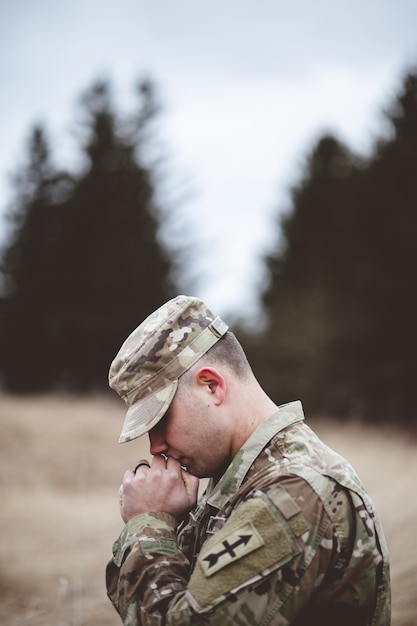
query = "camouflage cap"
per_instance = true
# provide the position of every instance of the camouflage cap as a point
(146, 369)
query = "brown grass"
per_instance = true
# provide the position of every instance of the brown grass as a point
(60, 468)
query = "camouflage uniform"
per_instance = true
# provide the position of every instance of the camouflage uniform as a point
(288, 535)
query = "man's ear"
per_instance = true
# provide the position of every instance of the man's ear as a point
(212, 379)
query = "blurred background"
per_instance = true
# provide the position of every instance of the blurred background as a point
(261, 157)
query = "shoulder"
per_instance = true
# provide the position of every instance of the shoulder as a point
(267, 532)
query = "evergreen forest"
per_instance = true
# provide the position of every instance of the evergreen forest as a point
(84, 263)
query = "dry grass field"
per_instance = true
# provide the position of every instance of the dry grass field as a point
(60, 468)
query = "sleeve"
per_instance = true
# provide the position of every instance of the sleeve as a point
(147, 569)
(248, 572)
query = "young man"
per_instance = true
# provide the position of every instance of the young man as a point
(284, 533)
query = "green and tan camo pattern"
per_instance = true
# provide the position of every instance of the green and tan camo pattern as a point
(145, 370)
(318, 552)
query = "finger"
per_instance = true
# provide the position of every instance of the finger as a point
(141, 463)
(191, 483)
(127, 476)
(174, 464)
(159, 462)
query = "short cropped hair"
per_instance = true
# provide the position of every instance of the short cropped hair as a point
(229, 353)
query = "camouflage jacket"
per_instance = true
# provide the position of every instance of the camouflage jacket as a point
(288, 535)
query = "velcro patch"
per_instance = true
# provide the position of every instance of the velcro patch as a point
(290, 510)
(269, 546)
(241, 541)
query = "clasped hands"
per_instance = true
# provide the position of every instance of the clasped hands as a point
(164, 486)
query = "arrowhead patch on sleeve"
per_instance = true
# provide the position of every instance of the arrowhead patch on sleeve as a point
(241, 541)
(255, 540)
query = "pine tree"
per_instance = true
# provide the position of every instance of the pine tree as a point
(103, 270)
(115, 268)
(309, 299)
(28, 329)
(340, 302)
(390, 207)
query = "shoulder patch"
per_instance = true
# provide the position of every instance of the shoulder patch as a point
(252, 542)
(240, 541)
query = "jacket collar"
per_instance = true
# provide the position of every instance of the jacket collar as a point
(230, 482)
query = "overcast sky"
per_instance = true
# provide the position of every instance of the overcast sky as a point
(246, 88)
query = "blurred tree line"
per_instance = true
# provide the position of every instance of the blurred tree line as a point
(340, 303)
(84, 264)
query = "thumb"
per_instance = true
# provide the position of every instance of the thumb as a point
(190, 483)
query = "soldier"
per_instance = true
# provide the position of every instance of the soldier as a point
(284, 533)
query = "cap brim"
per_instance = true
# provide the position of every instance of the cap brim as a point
(143, 415)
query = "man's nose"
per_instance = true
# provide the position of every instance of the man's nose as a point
(157, 442)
